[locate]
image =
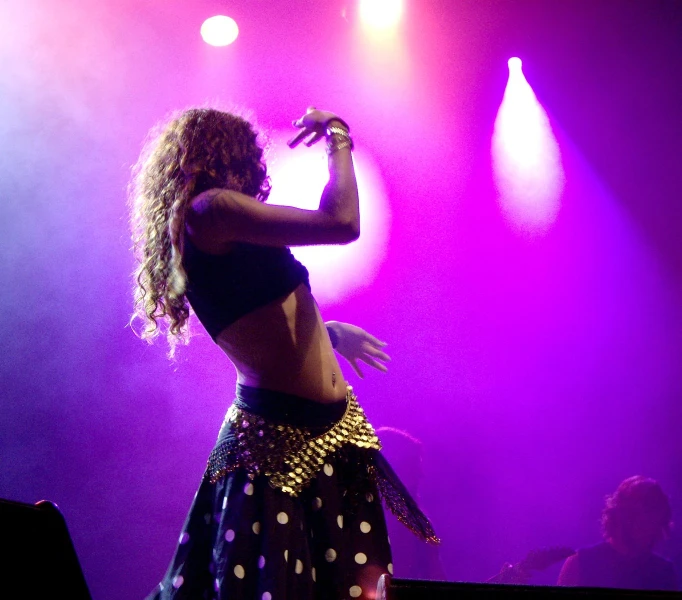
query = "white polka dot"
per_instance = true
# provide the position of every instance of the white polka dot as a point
(369, 497)
(256, 527)
(248, 489)
(314, 574)
(328, 469)
(224, 502)
(390, 568)
(239, 571)
(229, 535)
(365, 527)
(286, 555)
(178, 581)
(184, 538)
(207, 518)
(339, 521)
(355, 591)
(216, 585)
(299, 567)
(282, 518)
(261, 562)
(317, 503)
(266, 596)
(388, 539)
(330, 555)
(360, 558)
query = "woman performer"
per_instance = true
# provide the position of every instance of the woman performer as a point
(289, 504)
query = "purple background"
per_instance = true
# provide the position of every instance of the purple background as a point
(538, 371)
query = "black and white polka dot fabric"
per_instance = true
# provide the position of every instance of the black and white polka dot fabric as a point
(244, 539)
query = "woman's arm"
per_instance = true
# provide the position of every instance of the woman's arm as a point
(218, 217)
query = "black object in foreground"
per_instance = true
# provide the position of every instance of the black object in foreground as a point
(39, 558)
(413, 589)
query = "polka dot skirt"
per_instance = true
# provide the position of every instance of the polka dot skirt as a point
(244, 539)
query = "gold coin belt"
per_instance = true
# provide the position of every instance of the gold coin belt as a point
(288, 456)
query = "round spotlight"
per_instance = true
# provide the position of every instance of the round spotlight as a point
(219, 30)
(514, 63)
(381, 14)
(336, 272)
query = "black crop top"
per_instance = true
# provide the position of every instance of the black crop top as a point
(222, 288)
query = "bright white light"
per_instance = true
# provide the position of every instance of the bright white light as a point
(219, 30)
(526, 157)
(298, 178)
(381, 14)
(514, 63)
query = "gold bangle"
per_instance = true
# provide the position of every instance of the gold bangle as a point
(333, 130)
(331, 148)
(338, 132)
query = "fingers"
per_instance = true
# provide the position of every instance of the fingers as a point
(372, 340)
(301, 135)
(354, 364)
(379, 354)
(373, 363)
(307, 127)
(313, 140)
(298, 138)
(375, 352)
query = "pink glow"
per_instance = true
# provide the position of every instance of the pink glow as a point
(336, 272)
(219, 30)
(526, 158)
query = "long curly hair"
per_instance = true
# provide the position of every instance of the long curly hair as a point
(635, 495)
(194, 151)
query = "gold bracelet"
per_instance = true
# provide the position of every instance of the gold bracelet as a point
(340, 132)
(333, 130)
(331, 148)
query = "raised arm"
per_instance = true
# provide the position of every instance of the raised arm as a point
(219, 217)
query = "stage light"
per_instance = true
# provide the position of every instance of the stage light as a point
(381, 14)
(219, 30)
(514, 63)
(298, 178)
(526, 158)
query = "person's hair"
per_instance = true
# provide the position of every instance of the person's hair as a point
(634, 495)
(194, 151)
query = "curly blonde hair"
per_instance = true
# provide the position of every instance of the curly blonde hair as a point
(196, 150)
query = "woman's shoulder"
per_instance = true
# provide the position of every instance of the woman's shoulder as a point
(206, 218)
(217, 199)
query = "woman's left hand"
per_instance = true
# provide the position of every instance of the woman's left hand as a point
(356, 344)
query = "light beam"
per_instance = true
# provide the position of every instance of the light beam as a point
(526, 160)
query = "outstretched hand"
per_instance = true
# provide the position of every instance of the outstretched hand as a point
(356, 344)
(313, 125)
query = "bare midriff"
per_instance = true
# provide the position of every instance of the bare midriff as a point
(284, 347)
